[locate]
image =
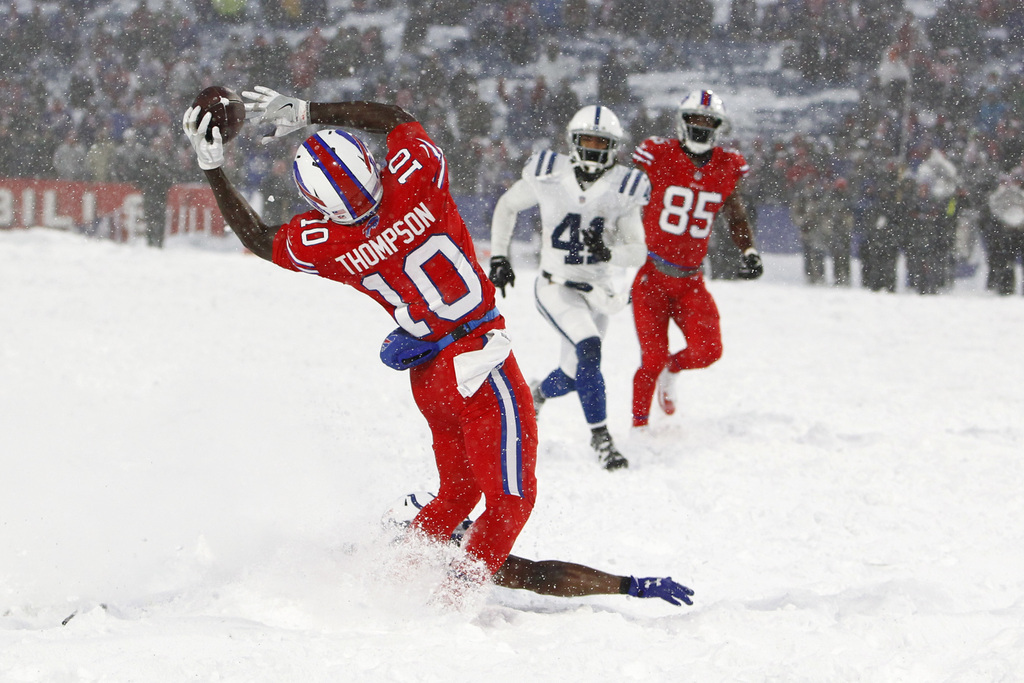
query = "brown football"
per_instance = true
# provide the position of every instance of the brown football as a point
(227, 108)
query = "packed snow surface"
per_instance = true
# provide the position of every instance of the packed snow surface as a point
(197, 448)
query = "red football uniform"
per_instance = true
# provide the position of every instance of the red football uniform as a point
(684, 198)
(417, 260)
(670, 286)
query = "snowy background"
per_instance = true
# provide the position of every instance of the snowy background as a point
(197, 449)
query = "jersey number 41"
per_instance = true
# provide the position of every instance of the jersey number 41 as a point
(569, 236)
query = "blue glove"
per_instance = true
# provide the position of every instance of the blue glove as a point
(665, 588)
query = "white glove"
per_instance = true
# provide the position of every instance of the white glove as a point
(606, 301)
(286, 113)
(209, 154)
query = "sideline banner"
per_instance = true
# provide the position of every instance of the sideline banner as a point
(191, 209)
(111, 210)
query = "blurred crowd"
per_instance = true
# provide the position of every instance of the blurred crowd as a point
(96, 92)
(929, 165)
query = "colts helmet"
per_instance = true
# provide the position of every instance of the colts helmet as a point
(337, 176)
(699, 138)
(600, 122)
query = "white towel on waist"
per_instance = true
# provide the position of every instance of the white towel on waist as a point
(472, 367)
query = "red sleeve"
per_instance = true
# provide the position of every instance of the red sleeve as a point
(411, 149)
(280, 254)
(299, 258)
(739, 162)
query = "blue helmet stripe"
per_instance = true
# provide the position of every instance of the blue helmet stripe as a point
(330, 178)
(361, 195)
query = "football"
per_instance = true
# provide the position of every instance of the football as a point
(227, 108)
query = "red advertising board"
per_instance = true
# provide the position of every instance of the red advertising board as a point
(191, 208)
(112, 210)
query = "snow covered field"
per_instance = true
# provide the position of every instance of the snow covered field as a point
(197, 448)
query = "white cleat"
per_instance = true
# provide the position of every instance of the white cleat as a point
(666, 391)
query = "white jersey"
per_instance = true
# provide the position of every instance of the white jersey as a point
(611, 205)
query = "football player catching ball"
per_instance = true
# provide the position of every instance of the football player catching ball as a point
(393, 232)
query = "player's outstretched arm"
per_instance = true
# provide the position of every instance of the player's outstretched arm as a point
(554, 577)
(568, 580)
(373, 117)
(291, 113)
(257, 236)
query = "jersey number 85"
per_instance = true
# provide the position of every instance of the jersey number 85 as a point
(689, 215)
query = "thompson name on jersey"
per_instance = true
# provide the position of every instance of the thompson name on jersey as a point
(417, 261)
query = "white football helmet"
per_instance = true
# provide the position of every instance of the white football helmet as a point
(337, 176)
(700, 139)
(600, 122)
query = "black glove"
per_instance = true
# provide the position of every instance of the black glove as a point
(751, 267)
(501, 273)
(599, 251)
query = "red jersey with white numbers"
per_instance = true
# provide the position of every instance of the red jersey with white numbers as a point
(684, 197)
(417, 261)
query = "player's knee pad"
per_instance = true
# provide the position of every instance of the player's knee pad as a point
(589, 380)
(588, 353)
(700, 356)
(557, 384)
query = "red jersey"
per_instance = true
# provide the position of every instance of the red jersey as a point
(684, 197)
(417, 261)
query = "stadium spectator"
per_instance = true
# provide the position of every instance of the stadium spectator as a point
(69, 158)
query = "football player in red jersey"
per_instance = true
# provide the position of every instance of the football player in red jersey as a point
(692, 179)
(394, 233)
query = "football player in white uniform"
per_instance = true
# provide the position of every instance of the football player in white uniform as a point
(590, 220)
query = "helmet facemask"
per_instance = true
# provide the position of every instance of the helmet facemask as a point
(699, 131)
(590, 158)
(594, 134)
(700, 120)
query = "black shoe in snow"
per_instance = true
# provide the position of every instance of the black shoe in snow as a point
(607, 454)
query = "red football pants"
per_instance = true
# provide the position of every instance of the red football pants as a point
(484, 445)
(658, 299)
